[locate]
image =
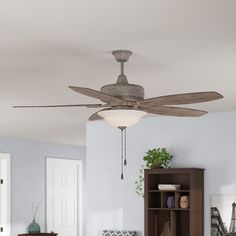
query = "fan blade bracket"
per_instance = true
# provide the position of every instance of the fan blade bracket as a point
(125, 104)
(132, 103)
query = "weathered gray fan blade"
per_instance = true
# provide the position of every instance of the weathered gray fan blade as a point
(97, 94)
(185, 98)
(95, 116)
(71, 105)
(173, 111)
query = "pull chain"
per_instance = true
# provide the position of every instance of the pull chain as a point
(123, 149)
(125, 159)
(122, 154)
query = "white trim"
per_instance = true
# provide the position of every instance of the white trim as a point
(6, 157)
(80, 197)
(79, 164)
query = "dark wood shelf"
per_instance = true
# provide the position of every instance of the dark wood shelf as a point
(168, 209)
(160, 191)
(183, 222)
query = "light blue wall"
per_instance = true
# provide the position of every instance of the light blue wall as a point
(28, 172)
(208, 142)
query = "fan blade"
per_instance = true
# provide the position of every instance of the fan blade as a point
(97, 94)
(173, 111)
(185, 98)
(72, 105)
(95, 116)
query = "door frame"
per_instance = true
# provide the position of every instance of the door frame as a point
(79, 189)
(6, 157)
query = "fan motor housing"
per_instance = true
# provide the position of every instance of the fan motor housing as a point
(127, 92)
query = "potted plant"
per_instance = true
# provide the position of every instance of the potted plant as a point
(154, 158)
(157, 158)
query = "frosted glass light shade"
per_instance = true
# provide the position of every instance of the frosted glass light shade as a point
(122, 117)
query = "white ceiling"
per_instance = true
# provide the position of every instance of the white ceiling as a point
(45, 46)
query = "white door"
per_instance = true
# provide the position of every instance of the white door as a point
(64, 197)
(4, 194)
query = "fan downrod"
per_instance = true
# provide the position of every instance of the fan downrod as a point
(122, 56)
(122, 89)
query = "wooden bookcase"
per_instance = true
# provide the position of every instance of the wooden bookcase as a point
(183, 222)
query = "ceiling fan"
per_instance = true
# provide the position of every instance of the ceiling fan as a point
(124, 104)
(124, 97)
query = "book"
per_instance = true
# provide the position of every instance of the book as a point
(169, 186)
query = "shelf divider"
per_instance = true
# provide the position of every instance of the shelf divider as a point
(173, 223)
